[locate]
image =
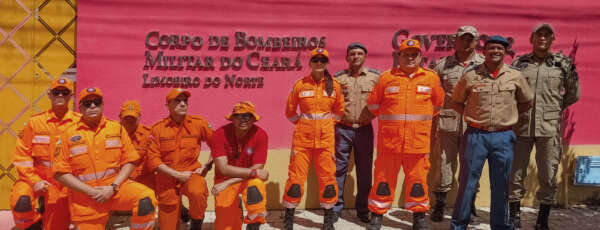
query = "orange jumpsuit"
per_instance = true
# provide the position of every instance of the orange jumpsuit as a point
(95, 158)
(32, 158)
(404, 105)
(313, 140)
(141, 140)
(178, 146)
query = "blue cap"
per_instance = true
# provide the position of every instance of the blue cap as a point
(497, 39)
(355, 45)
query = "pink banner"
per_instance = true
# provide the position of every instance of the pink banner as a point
(227, 51)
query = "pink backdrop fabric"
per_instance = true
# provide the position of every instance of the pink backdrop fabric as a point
(112, 34)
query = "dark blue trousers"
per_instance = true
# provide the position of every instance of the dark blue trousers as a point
(477, 147)
(361, 140)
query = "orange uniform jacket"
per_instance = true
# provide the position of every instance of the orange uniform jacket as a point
(405, 106)
(178, 146)
(37, 143)
(141, 140)
(318, 111)
(94, 157)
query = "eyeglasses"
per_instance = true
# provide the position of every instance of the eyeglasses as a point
(57, 92)
(88, 103)
(322, 60)
(243, 116)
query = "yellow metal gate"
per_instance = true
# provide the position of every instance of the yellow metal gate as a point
(37, 45)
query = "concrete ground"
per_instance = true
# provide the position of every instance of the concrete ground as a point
(576, 217)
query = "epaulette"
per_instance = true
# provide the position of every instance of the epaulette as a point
(164, 120)
(428, 69)
(521, 62)
(39, 114)
(375, 71)
(339, 73)
(145, 127)
(441, 61)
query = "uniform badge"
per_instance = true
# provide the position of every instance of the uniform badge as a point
(319, 50)
(410, 43)
(75, 138)
(62, 81)
(91, 90)
(250, 151)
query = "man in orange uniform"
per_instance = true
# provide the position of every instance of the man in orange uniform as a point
(240, 152)
(140, 138)
(321, 102)
(405, 100)
(94, 158)
(32, 157)
(174, 152)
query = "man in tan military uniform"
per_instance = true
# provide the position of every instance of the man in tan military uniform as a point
(450, 125)
(490, 97)
(355, 130)
(556, 86)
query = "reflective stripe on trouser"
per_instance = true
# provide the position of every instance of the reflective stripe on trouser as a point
(26, 214)
(387, 167)
(132, 196)
(227, 210)
(361, 141)
(477, 146)
(548, 151)
(169, 193)
(324, 164)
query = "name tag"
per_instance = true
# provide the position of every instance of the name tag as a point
(78, 150)
(41, 139)
(423, 89)
(310, 93)
(392, 89)
(111, 143)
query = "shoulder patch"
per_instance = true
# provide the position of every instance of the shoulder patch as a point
(339, 73)
(428, 69)
(375, 71)
(75, 138)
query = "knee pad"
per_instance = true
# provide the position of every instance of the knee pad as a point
(23, 204)
(145, 207)
(383, 189)
(294, 191)
(417, 190)
(329, 191)
(253, 195)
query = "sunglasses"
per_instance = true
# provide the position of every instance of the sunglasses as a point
(322, 60)
(177, 101)
(57, 92)
(243, 116)
(88, 103)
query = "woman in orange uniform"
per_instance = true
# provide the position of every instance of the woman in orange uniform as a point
(321, 104)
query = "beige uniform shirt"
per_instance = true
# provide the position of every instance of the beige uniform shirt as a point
(492, 102)
(450, 71)
(556, 86)
(356, 90)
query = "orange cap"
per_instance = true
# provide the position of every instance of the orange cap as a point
(64, 82)
(89, 91)
(319, 51)
(175, 92)
(241, 108)
(130, 108)
(409, 43)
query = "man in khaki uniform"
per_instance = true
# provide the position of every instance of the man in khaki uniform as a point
(355, 130)
(450, 125)
(556, 86)
(491, 98)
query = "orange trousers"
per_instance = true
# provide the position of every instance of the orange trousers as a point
(169, 199)
(387, 166)
(23, 202)
(254, 195)
(132, 196)
(324, 163)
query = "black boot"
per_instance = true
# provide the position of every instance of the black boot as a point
(35, 226)
(473, 220)
(542, 219)
(288, 219)
(515, 214)
(438, 210)
(196, 224)
(328, 219)
(419, 221)
(375, 223)
(253, 226)
(185, 214)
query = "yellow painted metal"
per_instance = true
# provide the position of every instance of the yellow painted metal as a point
(37, 44)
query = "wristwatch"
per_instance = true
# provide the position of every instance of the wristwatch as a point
(115, 187)
(253, 173)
